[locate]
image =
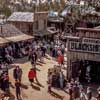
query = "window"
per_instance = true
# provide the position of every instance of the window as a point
(36, 25)
(30, 28)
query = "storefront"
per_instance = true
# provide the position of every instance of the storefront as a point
(84, 55)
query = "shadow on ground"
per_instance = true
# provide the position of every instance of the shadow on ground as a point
(38, 63)
(11, 85)
(21, 60)
(56, 95)
(24, 86)
(47, 57)
(39, 84)
(35, 87)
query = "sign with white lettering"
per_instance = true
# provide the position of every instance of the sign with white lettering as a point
(84, 47)
(91, 40)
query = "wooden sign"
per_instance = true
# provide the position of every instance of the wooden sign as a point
(91, 40)
(85, 46)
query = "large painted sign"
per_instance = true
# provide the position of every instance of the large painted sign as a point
(88, 45)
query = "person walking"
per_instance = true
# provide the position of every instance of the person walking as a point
(2, 82)
(83, 95)
(76, 92)
(18, 89)
(31, 75)
(17, 73)
(49, 81)
(60, 59)
(89, 93)
(71, 92)
(33, 59)
(4, 67)
(6, 82)
(61, 79)
(1, 72)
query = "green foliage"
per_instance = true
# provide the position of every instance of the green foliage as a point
(56, 6)
(63, 4)
(5, 7)
(6, 10)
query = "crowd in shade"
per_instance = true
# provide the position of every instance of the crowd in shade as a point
(37, 50)
(77, 91)
(16, 50)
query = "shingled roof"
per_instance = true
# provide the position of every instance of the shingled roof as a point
(11, 33)
(22, 17)
(8, 30)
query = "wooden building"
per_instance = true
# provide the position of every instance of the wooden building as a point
(23, 21)
(40, 21)
(83, 55)
(11, 36)
(40, 28)
(56, 22)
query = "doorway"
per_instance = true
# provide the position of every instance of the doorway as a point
(89, 71)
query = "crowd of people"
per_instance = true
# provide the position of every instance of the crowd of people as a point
(5, 80)
(14, 50)
(4, 76)
(77, 91)
(56, 78)
(36, 52)
(7, 55)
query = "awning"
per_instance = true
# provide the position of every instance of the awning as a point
(45, 32)
(18, 38)
(3, 41)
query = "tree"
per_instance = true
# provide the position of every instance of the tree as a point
(5, 8)
(7, 11)
(63, 4)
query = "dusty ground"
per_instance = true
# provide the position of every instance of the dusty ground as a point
(37, 92)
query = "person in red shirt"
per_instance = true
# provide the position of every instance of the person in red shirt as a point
(60, 59)
(31, 75)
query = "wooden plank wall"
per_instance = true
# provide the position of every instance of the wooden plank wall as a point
(89, 34)
(73, 56)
